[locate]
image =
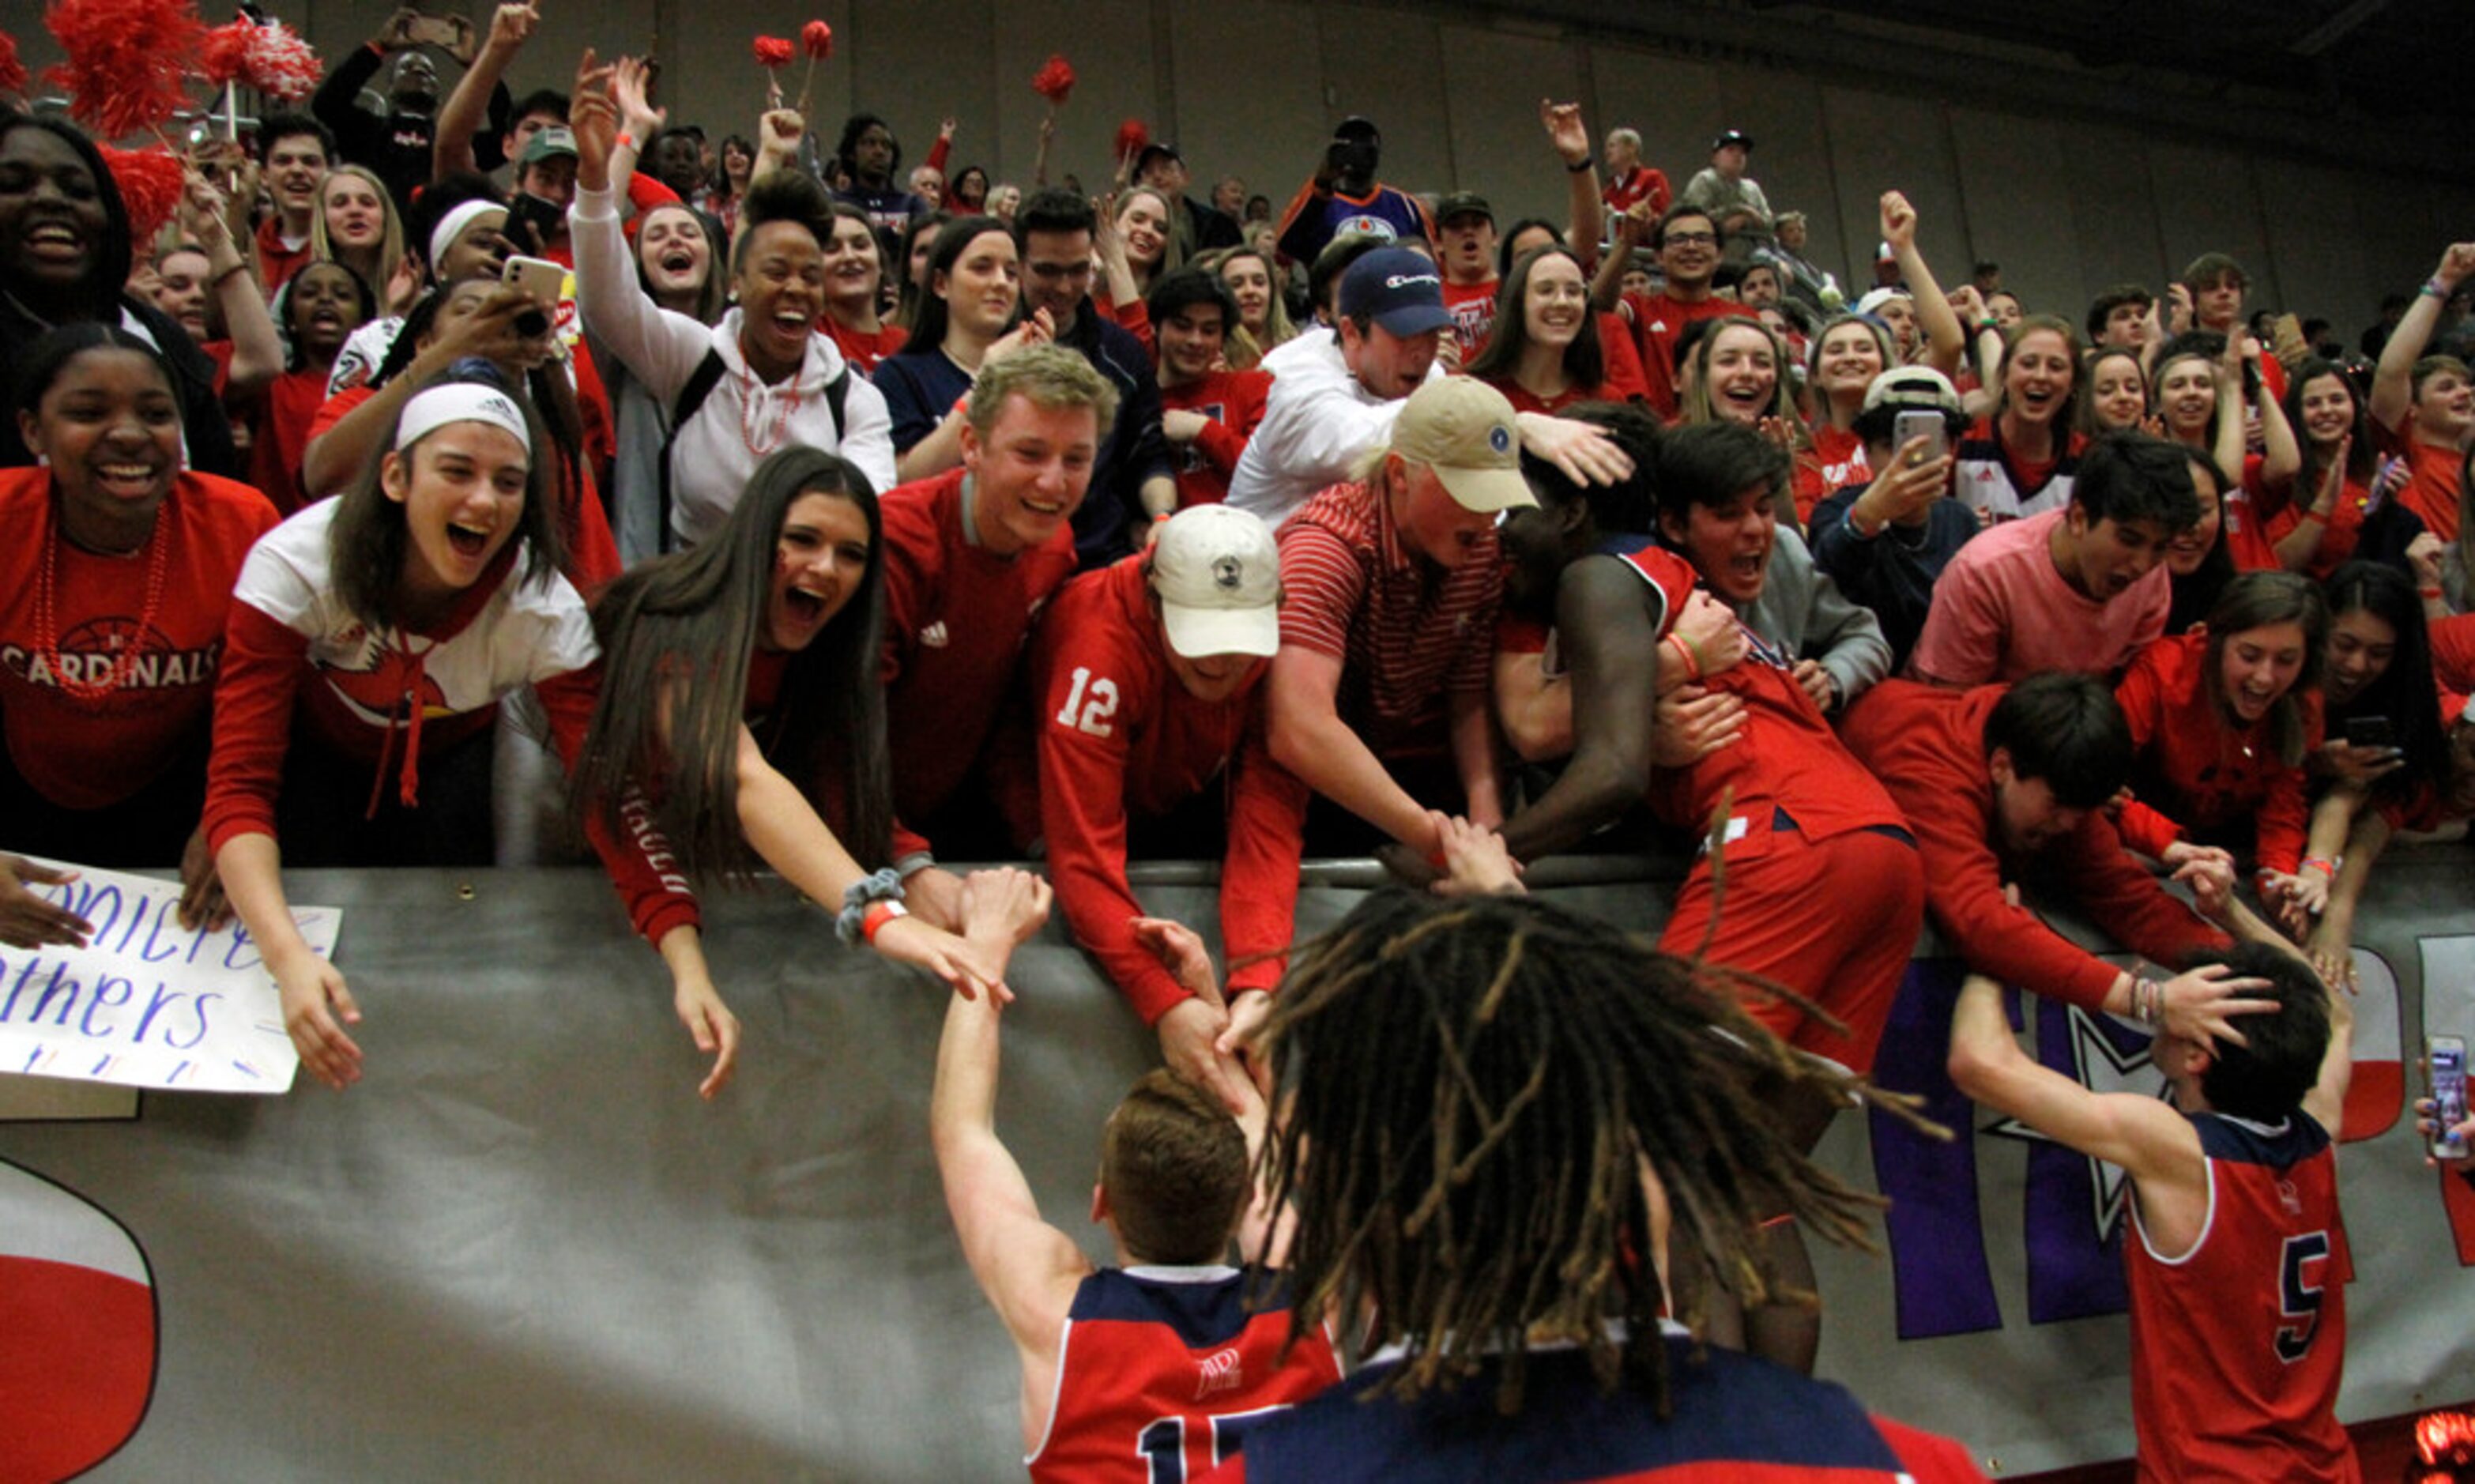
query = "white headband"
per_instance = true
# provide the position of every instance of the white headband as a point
(460, 401)
(451, 227)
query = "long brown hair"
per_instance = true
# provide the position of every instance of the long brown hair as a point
(678, 633)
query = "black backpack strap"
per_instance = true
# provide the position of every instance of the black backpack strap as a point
(837, 392)
(700, 385)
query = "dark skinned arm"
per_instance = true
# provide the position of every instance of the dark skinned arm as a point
(1610, 638)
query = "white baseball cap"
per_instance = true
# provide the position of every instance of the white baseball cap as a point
(1217, 571)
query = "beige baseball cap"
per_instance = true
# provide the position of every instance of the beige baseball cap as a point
(1217, 571)
(1463, 429)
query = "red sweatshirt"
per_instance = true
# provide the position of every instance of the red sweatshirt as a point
(1927, 745)
(91, 754)
(1119, 732)
(956, 617)
(1234, 403)
(2195, 766)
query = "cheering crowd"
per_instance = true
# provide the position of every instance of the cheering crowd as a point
(452, 460)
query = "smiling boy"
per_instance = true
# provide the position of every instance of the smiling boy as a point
(2075, 589)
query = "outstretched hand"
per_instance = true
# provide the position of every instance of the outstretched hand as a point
(26, 920)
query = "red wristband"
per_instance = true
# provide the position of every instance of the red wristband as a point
(877, 916)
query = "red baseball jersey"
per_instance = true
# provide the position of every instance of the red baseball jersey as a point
(956, 617)
(90, 754)
(2238, 1344)
(1233, 401)
(1118, 734)
(1160, 1371)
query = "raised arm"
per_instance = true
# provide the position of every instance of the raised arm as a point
(2144, 1135)
(1027, 1268)
(1607, 286)
(2392, 380)
(258, 353)
(1571, 141)
(333, 457)
(467, 111)
(1943, 341)
(662, 349)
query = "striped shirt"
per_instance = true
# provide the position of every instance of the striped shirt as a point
(1408, 631)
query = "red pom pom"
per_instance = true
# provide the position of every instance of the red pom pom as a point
(281, 65)
(772, 51)
(224, 56)
(1054, 80)
(13, 72)
(1131, 136)
(151, 185)
(127, 60)
(819, 38)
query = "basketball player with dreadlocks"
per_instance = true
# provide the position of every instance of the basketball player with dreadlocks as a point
(1822, 889)
(1501, 1120)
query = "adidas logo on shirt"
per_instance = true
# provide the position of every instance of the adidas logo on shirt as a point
(934, 635)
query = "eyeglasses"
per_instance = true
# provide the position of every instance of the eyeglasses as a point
(1690, 238)
(1079, 269)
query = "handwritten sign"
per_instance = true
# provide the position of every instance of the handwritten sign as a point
(148, 1003)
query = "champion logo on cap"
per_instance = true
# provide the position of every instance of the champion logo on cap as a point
(1405, 279)
(1228, 572)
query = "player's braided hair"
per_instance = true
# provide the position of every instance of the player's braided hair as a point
(1476, 1085)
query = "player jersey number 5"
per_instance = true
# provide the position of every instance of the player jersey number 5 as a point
(2298, 1295)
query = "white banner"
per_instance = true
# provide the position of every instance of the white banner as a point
(148, 1003)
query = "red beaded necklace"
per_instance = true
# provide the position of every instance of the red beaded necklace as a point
(47, 641)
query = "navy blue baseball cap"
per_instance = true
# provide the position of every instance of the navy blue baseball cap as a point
(1399, 288)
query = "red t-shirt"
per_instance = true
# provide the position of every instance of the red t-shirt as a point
(2197, 768)
(1118, 734)
(1657, 320)
(91, 754)
(1840, 453)
(275, 262)
(2431, 489)
(1233, 401)
(859, 348)
(1926, 745)
(1472, 306)
(1642, 183)
(279, 435)
(956, 617)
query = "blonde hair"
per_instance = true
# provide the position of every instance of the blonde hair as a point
(390, 247)
(1172, 251)
(1051, 377)
(1243, 348)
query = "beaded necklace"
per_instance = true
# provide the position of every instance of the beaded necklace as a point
(47, 643)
